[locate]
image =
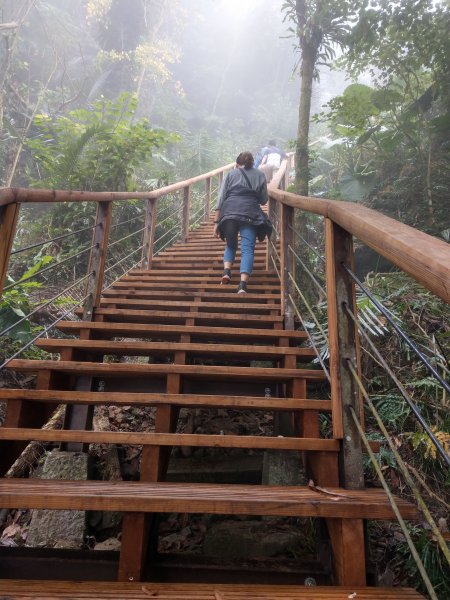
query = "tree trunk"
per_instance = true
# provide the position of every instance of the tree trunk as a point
(302, 152)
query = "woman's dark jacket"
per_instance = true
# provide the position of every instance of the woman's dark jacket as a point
(241, 200)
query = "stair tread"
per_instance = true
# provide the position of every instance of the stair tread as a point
(146, 348)
(167, 497)
(163, 302)
(148, 399)
(196, 371)
(160, 329)
(185, 294)
(169, 439)
(102, 590)
(203, 316)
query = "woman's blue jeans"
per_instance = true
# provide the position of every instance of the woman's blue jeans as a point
(247, 234)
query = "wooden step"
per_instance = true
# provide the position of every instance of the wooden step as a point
(169, 439)
(133, 348)
(166, 316)
(126, 370)
(127, 496)
(273, 288)
(201, 296)
(108, 590)
(142, 399)
(231, 307)
(208, 278)
(92, 369)
(170, 332)
(211, 271)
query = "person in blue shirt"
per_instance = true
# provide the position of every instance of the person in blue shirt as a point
(271, 160)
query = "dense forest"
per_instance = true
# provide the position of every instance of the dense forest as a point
(130, 95)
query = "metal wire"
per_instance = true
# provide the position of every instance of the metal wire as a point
(403, 335)
(176, 226)
(124, 258)
(275, 250)
(40, 334)
(402, 390)
(55, 239)
(56, 264)
(310, 310)
(394, 506)
(307, 243)
(168, 217)
(121, 275)
(38, 308)
(275, 267)
(125, 237)
(323, 292)
(167, 243)
(125, 222)
(401, 464)
(311, 341)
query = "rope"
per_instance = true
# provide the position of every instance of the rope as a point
(401, 465)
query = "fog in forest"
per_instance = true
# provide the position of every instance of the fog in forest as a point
(222, 69)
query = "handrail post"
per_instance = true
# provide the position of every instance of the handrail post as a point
(286, 173)
(287, 267)
(269, 249)
(98, 258)
(9, 215)
(186, 213)
(149, 234)
(207, 199)
(343, 345)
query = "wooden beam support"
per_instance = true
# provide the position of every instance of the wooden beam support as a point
(207, 199)
(149, 234)
(347, 543)
(343, 340)
(287, 267)
(97, 259)
(8, 221)
(186, 213)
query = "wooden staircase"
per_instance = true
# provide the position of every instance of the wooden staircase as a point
(201, 343)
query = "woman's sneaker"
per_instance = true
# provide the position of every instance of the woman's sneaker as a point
(242, 289)
(226, 277)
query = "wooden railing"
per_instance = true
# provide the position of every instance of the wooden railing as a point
(12, 198)
(425, 258)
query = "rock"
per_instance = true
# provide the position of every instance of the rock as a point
(248, 539)
(111, 544)
(283, 468)
(60, 528)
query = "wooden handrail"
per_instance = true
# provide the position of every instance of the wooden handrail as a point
(424, 257)
(26, 195)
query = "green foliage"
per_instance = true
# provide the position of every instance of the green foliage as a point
(96, 149)
(433, 560)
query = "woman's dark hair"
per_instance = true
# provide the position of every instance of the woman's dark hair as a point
(245, 159)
